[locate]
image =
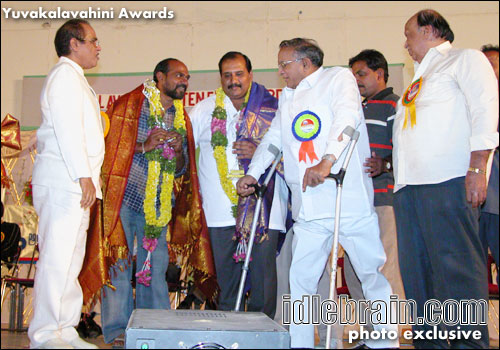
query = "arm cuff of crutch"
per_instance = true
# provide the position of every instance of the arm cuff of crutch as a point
(335, 148)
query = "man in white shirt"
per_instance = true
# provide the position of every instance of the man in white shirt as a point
(444, 130)
(65, 185)
(314, 109)
(227, 127)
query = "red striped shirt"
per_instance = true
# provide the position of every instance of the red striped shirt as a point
(392, 103)
(384, 190)
(377, 145)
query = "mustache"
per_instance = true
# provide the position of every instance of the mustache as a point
(181, 85)
(234, 85)
(361, 86)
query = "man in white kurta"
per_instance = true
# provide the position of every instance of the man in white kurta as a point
(65, 185)
(330, 101)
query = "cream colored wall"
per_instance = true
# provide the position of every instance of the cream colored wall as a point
(203, 31)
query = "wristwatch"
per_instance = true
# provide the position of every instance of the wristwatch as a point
(476, 170)
(329, 157)
(387, 166)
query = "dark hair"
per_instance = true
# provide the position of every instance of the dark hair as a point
(69, 30)
(373, 59)
(489, 47)
(232, 55)
(306, 48)
(163, 66)
(440, 27)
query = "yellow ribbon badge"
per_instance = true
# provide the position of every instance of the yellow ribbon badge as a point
(409, 102)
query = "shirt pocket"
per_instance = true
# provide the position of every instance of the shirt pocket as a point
(437, 88)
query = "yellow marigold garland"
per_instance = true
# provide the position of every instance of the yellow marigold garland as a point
(179, 122)
(154, 169)
(219, 144)
(225, 180)
(161, 162)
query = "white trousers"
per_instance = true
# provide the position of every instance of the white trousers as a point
(283, 262)
(62, 235)
(312, 244)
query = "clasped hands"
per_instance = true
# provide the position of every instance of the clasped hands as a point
(159, 136)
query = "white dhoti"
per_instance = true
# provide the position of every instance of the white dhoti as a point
(312, 244)
(62, 234)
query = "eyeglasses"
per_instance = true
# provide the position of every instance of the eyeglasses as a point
(94, 41)
(286, 63)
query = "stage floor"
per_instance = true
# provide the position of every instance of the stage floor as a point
(19, 340)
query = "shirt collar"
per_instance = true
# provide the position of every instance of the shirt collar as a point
(312, 78)
(230, 109)
(441, 49)
(75, 65)
(307, 82)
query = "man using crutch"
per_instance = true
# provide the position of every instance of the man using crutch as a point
(314, 109)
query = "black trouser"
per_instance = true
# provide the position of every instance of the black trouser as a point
(440, 253)
(488, 231)
(262, 270)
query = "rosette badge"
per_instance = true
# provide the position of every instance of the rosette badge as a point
(408, 101)
(306, 127)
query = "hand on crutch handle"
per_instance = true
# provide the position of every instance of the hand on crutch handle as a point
(318, 173)
(248, 184)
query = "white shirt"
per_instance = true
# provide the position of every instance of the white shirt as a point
(457, 113)
(216, 204)
(70, 140)
(333, 95)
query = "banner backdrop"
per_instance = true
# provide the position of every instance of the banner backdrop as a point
(201, 85)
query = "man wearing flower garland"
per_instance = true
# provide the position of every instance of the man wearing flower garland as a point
(238, 116)
(314, 109)
(151, 188)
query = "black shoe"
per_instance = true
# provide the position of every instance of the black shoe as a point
(93, 329)
(82, 327)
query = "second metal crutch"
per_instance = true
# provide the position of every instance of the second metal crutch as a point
(259, 191)
(339, 179)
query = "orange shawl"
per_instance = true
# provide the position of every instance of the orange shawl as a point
(187, 231)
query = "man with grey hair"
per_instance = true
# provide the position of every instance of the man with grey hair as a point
(444, 131)
(65, 185)
(314, 109)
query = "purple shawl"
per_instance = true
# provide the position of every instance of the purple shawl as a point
(256, 120)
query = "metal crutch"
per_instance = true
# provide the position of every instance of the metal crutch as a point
(339, 179)
(259, 191)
